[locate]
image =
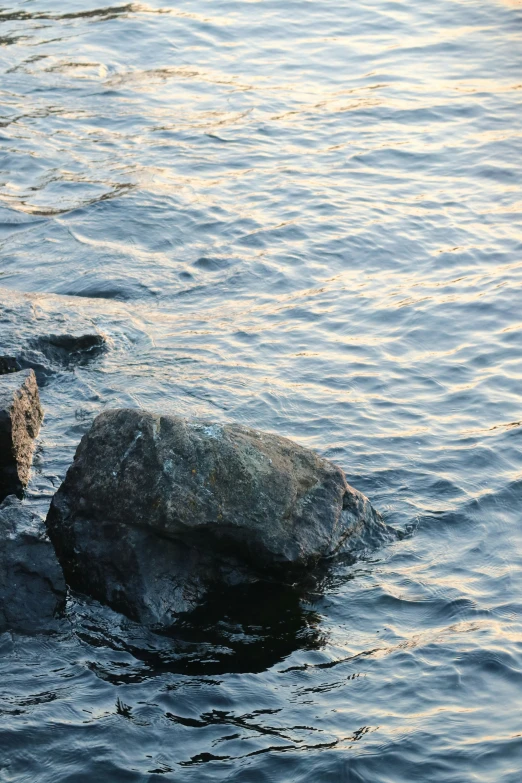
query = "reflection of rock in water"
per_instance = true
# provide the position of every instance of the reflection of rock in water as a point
(49, 354)
(240, 629)
(251, 627)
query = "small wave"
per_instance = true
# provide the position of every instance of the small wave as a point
(92, 286)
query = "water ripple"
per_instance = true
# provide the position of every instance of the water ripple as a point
(304, 217)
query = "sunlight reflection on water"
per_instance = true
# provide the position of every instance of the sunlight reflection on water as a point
(305, 217)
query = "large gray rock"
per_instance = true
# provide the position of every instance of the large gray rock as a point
(20, 418)
(32, 587)
(156, 508)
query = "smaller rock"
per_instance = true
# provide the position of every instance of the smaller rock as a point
(66, 349)
(20, 418)
(49, 354)
(9, 364)
(46, 333)
(32, 587)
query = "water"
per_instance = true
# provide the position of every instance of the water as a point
(306, 217)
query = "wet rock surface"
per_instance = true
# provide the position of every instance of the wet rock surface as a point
(156, 509)
(32, 587)
(148, 578)
(20, 418)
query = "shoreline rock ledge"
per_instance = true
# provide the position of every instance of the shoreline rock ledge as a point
(156, 509)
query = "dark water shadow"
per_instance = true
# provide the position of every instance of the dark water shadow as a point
(247, 628)
(258, 625)
(104, 14)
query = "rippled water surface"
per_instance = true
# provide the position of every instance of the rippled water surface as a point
(306, 217)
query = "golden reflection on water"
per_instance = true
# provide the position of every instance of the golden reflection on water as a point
(311, 213)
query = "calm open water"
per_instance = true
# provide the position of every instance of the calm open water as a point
(304, 216)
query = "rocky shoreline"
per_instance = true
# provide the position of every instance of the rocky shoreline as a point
(156, 513)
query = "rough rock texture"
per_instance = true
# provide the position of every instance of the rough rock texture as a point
(154, 508)
(32, 587)
(20, 418)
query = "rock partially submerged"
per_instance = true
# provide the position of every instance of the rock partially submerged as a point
(20, 418)
(32, 587)
(46, 335)
(48, 354)
(154, 509)
(69, 348)
(9, 364)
